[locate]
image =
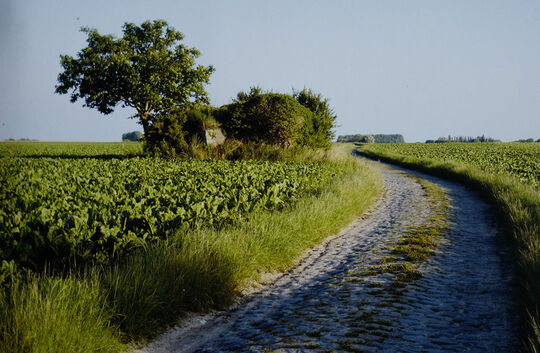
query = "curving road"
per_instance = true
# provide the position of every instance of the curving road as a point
(462, 303)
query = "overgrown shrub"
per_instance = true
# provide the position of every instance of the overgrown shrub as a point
(199, 120)
(132, 136)
(259, 119)
(166, 136)
(272, 118)
(319, 132)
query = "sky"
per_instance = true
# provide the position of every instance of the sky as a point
(421, 68)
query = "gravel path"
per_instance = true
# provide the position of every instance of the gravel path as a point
(462, 303)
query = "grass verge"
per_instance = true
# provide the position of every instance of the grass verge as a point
(103, 308)
(417, 243)
(47, 314)
(519, 205)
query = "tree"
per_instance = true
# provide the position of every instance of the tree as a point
(369, 139)
(148, 69)
(271, 118)
(132, 136)
(323, 117)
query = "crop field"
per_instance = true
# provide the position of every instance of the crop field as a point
(86, 208)
(108, 247)
(520, 160)
(101, 150)
(508, 175)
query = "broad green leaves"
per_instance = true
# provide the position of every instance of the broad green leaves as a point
(85, 209)
(520, 160)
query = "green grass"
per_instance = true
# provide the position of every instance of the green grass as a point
(516, 200)
(416, 243)
(49, 314)
(519, 160)
(73, 150)
(206, 268)
(58, 211)
(199, 269)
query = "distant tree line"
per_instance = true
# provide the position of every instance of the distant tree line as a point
(378, 138)
(528, 140)
(463, 139)
(21, 139)
(132, 136)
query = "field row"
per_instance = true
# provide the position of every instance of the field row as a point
(100, 150)
(521, 160)
(508, 174)
(59, 210)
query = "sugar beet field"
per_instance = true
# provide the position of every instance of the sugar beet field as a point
(177, 254)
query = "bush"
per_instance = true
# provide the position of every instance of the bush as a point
(132, 136)
(319, 132)
(49, 315)
(166, 136)
(379, 138)
(272, 118)
(199, 120)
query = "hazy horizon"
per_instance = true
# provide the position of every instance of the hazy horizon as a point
(422, 69)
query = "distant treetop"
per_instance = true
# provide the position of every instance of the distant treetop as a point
(132, 136)
(379, 138)
(463, 139)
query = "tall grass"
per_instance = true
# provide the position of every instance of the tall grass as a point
(153, 289)
(519, 205)
(47, 314)
(206, 268)
(237, 150)
(194, 270)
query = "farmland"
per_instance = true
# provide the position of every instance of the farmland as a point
(115, 246)
(90, 209)
(506, 174)
(101, 150)
(519, 160)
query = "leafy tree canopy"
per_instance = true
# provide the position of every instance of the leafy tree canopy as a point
(147, 69)
(132, 136)
(303, 118)
(378, 138)
(268, 117)
(323, 116)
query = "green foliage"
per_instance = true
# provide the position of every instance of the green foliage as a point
(319, 132)
(520, 160)
(132, 136)
(53, 315)
(508, 175)
(147, 69)
(266, 117)
(152, 289)
(165, 135)
(195, 270)
(200, 119)
(60, 211)
(243, 97)
(204, 268)
(379, 138)
(73, 150)
(468, 139)
(303, 119)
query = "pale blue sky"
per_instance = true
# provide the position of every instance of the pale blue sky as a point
(420, 68)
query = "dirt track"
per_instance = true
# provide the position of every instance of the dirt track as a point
(462, 302)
